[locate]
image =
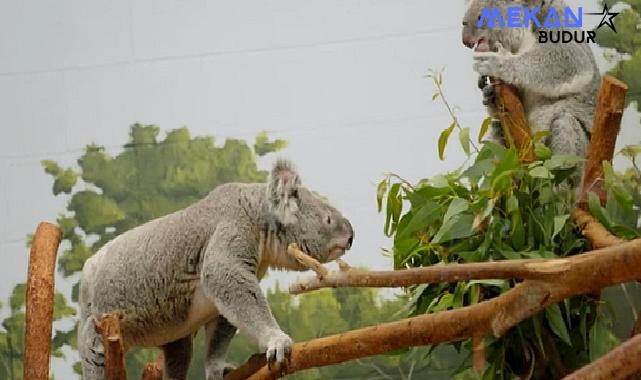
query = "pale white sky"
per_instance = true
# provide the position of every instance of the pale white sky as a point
(341, 80)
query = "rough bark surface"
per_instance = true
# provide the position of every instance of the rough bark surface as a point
(617, 364)
(39, 302)
(512, 117)
(607, 122)
(109, 328)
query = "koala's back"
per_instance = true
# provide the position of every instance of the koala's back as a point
(150, 274)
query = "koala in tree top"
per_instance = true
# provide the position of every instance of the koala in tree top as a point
(201, 266)
(557, 82)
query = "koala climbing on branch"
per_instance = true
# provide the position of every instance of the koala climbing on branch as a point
(201, 266)
(557, 82)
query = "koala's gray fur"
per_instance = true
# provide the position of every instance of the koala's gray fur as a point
(558, 82)
(201, 266)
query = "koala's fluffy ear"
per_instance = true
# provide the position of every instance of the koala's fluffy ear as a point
(282, 192)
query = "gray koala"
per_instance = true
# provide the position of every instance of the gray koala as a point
(201, 266)
(557, 82)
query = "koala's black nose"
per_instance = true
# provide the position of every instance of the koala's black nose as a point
(350, 231)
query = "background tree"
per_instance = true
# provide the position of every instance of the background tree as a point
(626, 43)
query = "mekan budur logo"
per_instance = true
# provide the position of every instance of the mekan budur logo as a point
(554, 28)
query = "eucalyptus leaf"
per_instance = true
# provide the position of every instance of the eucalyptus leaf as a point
(487, 122)
(556, 322)
(442, 140)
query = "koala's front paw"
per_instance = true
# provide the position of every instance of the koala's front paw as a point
(483, 81)
(279, 348)
(489, 64)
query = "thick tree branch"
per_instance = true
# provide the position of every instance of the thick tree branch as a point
(607, 122)
(617, 364)
(594, 231)
(532, 269)
(581, 274)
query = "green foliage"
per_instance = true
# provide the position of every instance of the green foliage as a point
(627, 43)
(263, 146)
(12, 332)
(495, 209)
(147, 179)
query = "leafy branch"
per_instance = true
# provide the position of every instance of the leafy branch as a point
(464, 133)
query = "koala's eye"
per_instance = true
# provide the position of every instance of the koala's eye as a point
(465, 23)
(328, 220)
(293, 193)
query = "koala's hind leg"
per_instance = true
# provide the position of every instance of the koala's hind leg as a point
(219, 334)
(177, 358)
(91, 350)
(567, 136)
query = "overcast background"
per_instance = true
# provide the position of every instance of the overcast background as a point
(341, 80)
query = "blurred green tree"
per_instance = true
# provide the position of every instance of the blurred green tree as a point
(626, 46)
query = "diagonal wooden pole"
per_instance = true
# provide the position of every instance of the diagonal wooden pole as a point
(40, 293)
(512, 117)
(605, 129)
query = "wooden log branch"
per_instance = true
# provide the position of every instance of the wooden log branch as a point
(251, 366)
(533, 269)
(617, 364)
(478, 353)
(39, 301)
(603, 268)
(109, 328)
(512, 117)
(594, 231)
(605, 128)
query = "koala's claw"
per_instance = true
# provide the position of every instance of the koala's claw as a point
(483, 81)
(488, 95)
(279, 350)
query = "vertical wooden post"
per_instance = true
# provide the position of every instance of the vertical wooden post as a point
(607, 122)
(40, 293)
(153, 370)
(478, 353)
(512, 116)
(109, 328)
